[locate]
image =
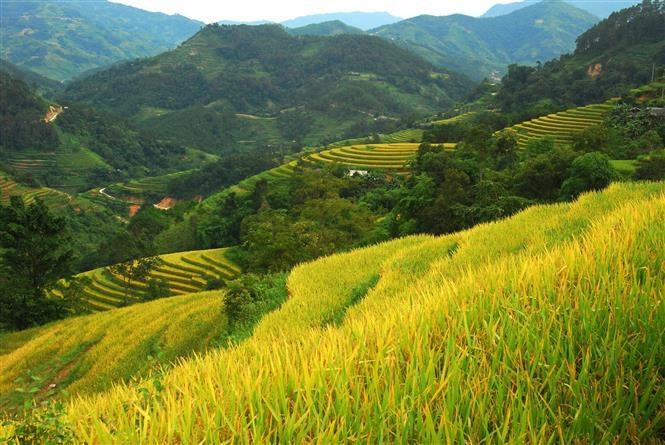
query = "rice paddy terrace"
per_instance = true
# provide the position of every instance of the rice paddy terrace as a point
(182, 273)
(563, 125)
(9, 188)
(544, 327)
(389, 157)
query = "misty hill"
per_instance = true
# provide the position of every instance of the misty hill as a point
(233, 85)
(599, 8)
(332, 28)
(361, 20)
(479, 46)
(60, 40)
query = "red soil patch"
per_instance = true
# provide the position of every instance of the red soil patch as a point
(165, 204)
(134, 209)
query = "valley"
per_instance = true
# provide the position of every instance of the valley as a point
(344, 227)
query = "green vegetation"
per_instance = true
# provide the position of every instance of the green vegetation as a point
(480, 47)
(259, 87)
(80, 148)
(61, 40)
(43, 85)
(615, 55)
(35, 255)
(429, 352)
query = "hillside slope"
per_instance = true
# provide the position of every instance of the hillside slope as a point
(61, 40)
(619, 53)
(230, 86)
(479, 46)
(511, 330)
(87, 354)
(78, 147)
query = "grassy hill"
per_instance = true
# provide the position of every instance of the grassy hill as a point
(479, 46)
(180, 273)
(543, 327)
(257, 86)
(61, 40)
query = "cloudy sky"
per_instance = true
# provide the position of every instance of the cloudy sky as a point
(280, 10)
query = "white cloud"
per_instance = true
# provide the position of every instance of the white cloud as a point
(280, 10)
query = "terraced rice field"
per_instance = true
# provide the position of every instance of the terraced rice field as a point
(390, 157)
(9, 188)
(183, 272)
(410, 135)
(150, 185)
(281, 173)
(563, 125)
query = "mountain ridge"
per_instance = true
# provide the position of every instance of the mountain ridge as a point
(60, 40)
(478, 47)
(261, 75)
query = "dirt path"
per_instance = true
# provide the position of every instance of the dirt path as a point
(102, 191)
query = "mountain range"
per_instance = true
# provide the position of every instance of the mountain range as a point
(599, 8)
(61, 40)
(361, 20)
(331, 28)
(478, 47)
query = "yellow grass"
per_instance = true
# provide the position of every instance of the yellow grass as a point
(543, 328)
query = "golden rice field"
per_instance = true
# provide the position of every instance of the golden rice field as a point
(563, 125)
(183, 273)
(87, 354)
(547, 327)
(389, 157)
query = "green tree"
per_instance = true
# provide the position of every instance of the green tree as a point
(132, 260)
(591, 171)
(34, 256)
(651, 167)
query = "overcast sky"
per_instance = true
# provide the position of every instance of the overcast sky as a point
(279, 10)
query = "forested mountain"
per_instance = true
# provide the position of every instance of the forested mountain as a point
(258, 84)
(330, 28)
(623, 51)
(75, 148)
(599, 8)
(37, 82)
(361, 20)
(60, 40)
(479, 46)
